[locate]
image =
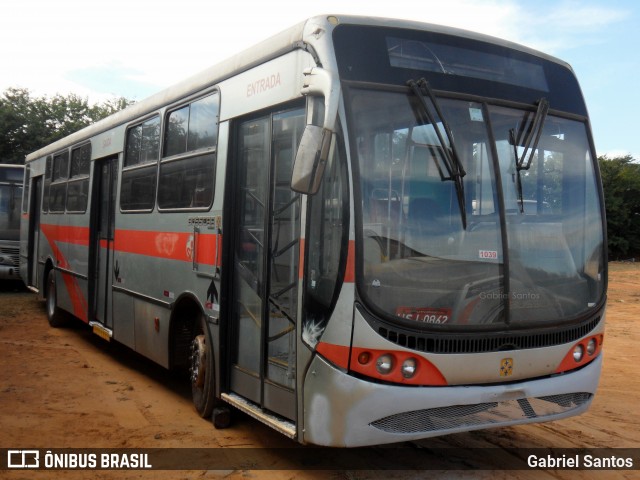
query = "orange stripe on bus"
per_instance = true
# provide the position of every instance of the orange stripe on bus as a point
(336, 354)
(170, 245)
(77, 236)
(350, 273)
(301, 260)
(66, 234)
(78, 300)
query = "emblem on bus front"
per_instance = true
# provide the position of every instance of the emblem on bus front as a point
(506, 367)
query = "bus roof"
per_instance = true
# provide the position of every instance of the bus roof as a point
(298, 36)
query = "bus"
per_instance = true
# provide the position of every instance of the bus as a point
(11, 180)
(328, 232)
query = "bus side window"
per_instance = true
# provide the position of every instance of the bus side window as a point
(187, 179)
(47, 184)
(140, 171)
(58, 187)
(78, 187)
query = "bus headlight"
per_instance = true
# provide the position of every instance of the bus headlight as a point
(384, 364)
(591, 346)
(578, 353)
(409, 367)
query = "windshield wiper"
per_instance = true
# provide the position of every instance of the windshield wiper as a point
(529, 137)
(450, 154)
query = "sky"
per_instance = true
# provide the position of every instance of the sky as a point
(102, 49)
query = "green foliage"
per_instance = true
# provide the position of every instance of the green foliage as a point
(621, 184)
(28, 123)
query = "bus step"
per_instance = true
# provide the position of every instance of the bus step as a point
(286, 427)
(101, 331)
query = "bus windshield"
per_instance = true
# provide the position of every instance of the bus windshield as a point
(10, 203)
(523, 246)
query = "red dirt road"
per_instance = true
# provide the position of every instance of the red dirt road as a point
(66, 388)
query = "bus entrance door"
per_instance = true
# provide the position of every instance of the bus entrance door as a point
(266, 254)
(101, 241)
(34, 230)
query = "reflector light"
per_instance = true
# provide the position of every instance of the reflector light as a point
(364, 358)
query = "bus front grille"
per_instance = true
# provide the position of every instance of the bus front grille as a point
(487, 342)
(480, 415)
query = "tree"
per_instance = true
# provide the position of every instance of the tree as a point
(621, 184)
(28, 123)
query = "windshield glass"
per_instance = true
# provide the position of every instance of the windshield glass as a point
(539, 262)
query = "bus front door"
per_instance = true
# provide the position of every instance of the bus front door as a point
(266, 249)
(102, 233)
(35, 206)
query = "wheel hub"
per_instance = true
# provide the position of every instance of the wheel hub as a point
(198, 361)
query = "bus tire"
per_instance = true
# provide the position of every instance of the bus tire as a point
(55, 315)
(201, 370)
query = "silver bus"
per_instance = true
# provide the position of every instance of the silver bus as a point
(328, 232)
(11, 180)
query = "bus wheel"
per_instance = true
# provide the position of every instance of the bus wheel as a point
(201, 371)
(54, 314)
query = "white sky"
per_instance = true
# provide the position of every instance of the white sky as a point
(133, 48)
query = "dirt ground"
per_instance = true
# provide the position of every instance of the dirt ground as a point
(67, 388)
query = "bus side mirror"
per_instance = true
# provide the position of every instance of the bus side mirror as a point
(317, 139)
(311, 158)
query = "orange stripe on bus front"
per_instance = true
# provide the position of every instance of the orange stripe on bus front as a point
(336, 354)
(350, 273)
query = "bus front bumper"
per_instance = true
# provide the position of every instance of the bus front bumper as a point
(344, 411)
(9, 272)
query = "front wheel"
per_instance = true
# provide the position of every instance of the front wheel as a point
(202, 373)
(55, 316)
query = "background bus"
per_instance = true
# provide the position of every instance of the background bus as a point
(11, 179)
(329, 233)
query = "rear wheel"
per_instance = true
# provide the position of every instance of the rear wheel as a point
(55, 316)
(202, 373)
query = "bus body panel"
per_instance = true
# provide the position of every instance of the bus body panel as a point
(354, 412)
(274, 82)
